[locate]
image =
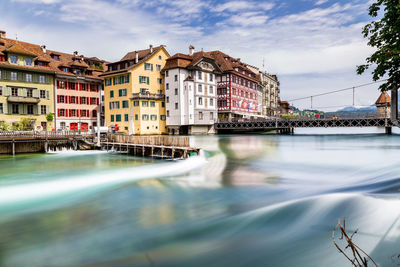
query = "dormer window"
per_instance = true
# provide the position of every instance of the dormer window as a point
(28, 61)
(65, 69)
(13, 59)
(56, 57)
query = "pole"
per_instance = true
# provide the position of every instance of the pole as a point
(98, 127)
(311, 101)
(353, 95)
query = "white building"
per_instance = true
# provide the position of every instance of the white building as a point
(191, 93)
(270, 88)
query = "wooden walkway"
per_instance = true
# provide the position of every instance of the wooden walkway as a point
(151, 146)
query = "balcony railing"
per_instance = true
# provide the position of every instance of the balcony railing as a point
(23, 99)
(148, 96)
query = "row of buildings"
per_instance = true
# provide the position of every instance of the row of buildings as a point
(146, 92)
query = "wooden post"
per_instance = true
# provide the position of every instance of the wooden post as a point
(152, 151)
(394, 106)
(143, 151)
(13, 148)
(162, 153)
(388, 130)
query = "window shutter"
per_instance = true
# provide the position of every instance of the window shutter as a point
(114, 80)
(5, 110)
(19, 91)
(127, 78)
(24, 92)
(58, 99)
(151, 67)
(21, 109)
(48, 109)
(97, 100)
(148, 80)
(47, 94)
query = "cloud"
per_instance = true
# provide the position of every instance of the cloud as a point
(38, 1)
(320, 2)
(234, 6)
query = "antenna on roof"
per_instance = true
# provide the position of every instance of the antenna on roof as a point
(16, 37)
(202, 49)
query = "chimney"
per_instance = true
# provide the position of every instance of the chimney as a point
(43, 48)
(191, 50)
(76, 53)
(136, 57)
(151, 49)
(2, 34)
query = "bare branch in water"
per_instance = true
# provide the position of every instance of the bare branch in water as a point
(357, 257)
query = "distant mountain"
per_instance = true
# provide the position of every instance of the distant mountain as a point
(356, 109)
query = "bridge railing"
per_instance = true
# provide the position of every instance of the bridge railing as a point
(42, 134)
(172, 141)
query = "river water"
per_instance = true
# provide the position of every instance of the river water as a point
(248, 200)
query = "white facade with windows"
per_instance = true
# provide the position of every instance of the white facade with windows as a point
(191, 98)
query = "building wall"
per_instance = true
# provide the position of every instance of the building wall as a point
(6, 84)
(136, 123)
(65, 119)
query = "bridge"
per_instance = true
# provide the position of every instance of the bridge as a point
(287, 125)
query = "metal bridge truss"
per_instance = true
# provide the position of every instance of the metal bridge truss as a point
(303, 123)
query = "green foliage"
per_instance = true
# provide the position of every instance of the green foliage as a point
(96, 67)
(49, 117)
(286, 116)
(4, 126)
(26, 124)
(384, 35)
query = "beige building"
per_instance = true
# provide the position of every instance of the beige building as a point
(270, 88)
(383, 105)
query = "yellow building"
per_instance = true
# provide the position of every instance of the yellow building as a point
(134, 92)
(26, 83)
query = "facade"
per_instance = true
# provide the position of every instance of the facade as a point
(134, 96)
(26, 83)
(78, 91)
(383, 105)
(191, 93)
(283, 108)
(237, 89)
(270, 94)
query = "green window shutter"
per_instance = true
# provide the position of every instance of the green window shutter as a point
(36, 109)
(151, 67)
(148, 80)
(110, 105)
(24, 92)
(127, 78)
(126, 117)
(48, 109)
(35, 78)
(5, 108)
(20, 76)
(136, 117)
(35, 93)
(140, 79)
(10, 109)
(20, 91)
(47, 79)
(113, 80)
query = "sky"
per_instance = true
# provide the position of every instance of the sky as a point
(313, 46)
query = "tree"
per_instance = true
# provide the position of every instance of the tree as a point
(384, 35)
(49, 118)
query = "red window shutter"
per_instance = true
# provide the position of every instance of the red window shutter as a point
(66, 112)
(58, 99)
(58, 84)
(58, 112)
(97, 101)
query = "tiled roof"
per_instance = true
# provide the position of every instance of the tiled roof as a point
(186, 61)
(383, 98)
(25, 48)
(130, 57)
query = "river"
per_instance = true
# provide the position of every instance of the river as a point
(247, 200)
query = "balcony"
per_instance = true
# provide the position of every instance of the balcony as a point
(23, 99)
(148, 96)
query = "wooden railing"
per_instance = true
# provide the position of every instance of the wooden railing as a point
(41, 134)
(174, 141)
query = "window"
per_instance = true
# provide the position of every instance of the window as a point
(43, 109)
(176, 105)
(13, 59)
(112, 118)
(125, 104)
(200, 101)
(61, 112)
(176, 78)
(163, 104)
(136, 117)
(211, 91)
(158, 67)
(72, 100)
(28, 77)
(0, 74)
(28, 61)
(145, 103)
(29, 92)
(1, 108)
(176, 91)
(153, 117)
(42, 93)
(118, 117)
(65, 69)
(152, 104)
(211, 77)
(200, 115)
(126, 117)
(144, 79)
(211, 102)
(167, 99)
(162, 117)
(145, 117)
(199, 75)
(15, 108)
(14, 91)
(159, 80)
(136, 103)
(13, 76)
(1, 90)
(122, 92)
(167, 113)
(148, 66)
(160, 57)
(83, 100)
(42, 79)
(167, 86)
(94, 114)
(166, 73)
(211, 115)
(111, 94)
(200, 88)
(107, 82)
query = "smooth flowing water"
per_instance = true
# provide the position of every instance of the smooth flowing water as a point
(248, 200)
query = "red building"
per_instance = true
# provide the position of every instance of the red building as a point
(236, 88)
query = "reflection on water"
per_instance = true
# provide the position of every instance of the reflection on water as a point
(256, 201)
